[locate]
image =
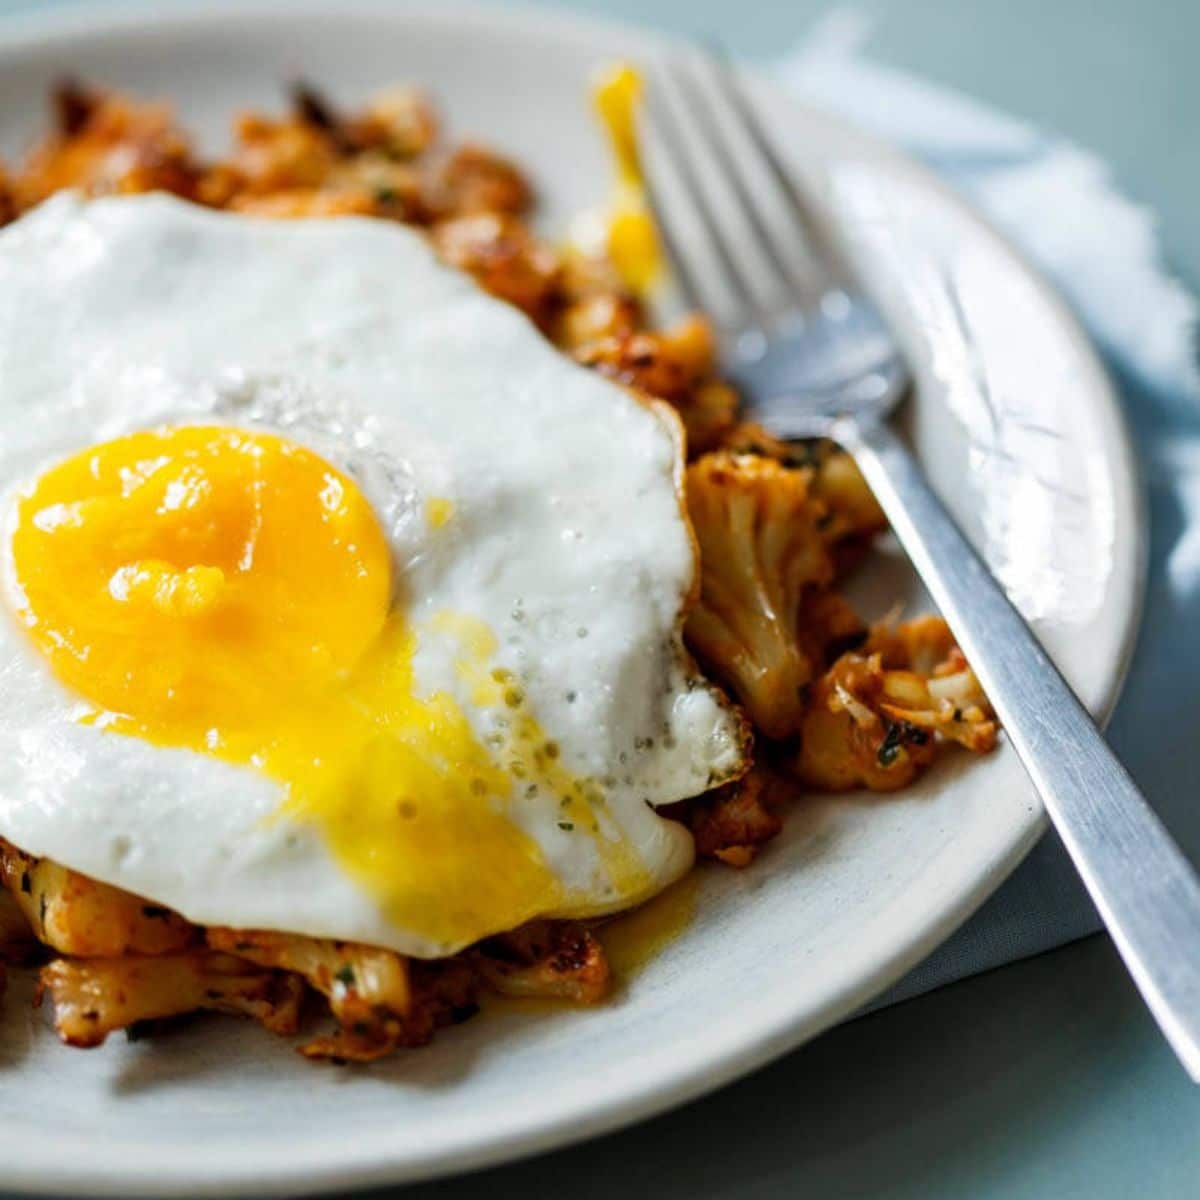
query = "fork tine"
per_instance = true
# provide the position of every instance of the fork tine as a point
(749, 122)
(673, 145)
(685, 280)
(719, 144)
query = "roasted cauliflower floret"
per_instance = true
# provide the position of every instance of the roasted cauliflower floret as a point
(397, 122)
(475, 180)
(851, 509)
(758, 530)
(505, 258)
(878, 716)
(595, 318)
(734, 822)
(300, 203)
(367, 988)
(92, 998)
(80, 916)
(8, 200)
(443, 993)
(16, 934)
(557, 959)
(106, 144)
(675, 365)
(280, 155)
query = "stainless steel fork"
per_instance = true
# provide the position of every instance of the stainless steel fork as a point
(814, 358)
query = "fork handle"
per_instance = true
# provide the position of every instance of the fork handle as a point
(1146, 891)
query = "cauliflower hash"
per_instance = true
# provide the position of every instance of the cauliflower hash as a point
(834, 704)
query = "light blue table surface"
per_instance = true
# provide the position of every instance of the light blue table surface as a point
(1045, 1078)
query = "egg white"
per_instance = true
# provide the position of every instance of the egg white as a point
(567, 537)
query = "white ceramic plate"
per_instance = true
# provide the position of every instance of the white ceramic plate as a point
(1015, 422)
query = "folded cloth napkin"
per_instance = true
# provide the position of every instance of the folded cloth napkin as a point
(1057, 203)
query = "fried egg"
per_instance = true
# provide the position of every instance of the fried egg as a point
(336, 601)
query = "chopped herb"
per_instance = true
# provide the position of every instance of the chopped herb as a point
(386, 195)
(889, 749)
(567, 825)
(346, 975)
(897, 736)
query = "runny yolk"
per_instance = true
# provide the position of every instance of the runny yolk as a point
(232, 593)
(632, 242)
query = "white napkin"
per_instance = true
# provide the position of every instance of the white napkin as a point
(1059, 204)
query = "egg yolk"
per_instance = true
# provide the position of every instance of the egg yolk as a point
(232, 593)
(632, 242)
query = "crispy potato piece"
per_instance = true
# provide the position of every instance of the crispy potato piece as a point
(558, 960)
(760, 550)
(79, 916)
(505, 258)
(93, 997)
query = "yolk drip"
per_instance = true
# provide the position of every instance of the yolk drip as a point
(632, 241)
(634, 938)
(232, 593)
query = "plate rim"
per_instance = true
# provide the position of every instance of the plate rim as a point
(368, 1162)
